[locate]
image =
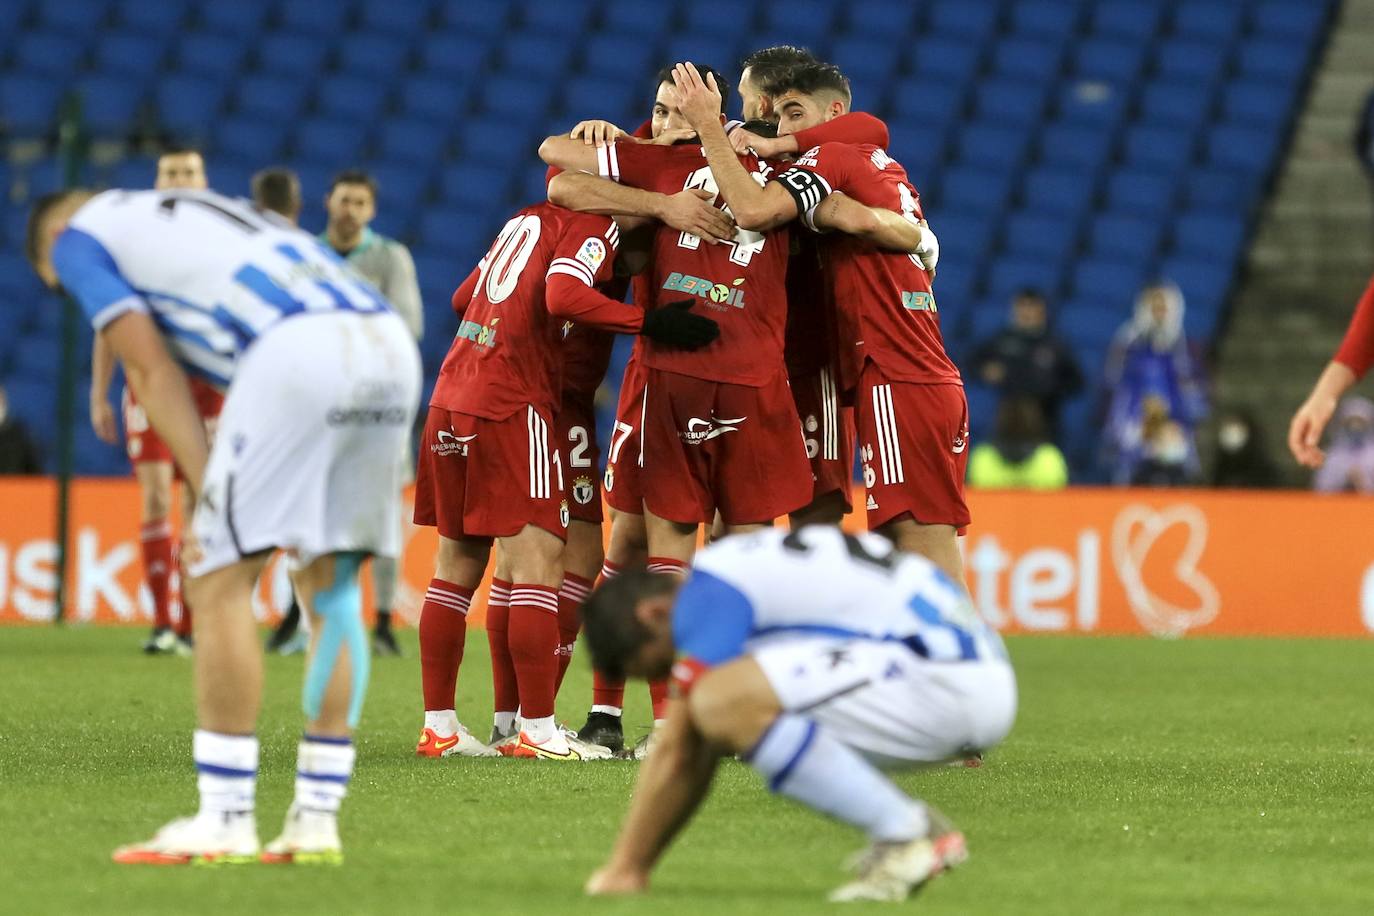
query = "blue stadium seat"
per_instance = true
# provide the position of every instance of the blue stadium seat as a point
(1018, 271)
(241, 18)
(130, 53)
(619, 102)
(1009, 101)
(337, 140)
(134, 172)
(567, 17)
(1029, 59)
(400, 17)
(971, 190)
(1100, 106)
(1261, 103)
(1109, 281)
(1065, 145)
(939, 57)
(1292, 22)
(356, 96)
(481, 187)
(878, 17)
(525, 100)
(434, 97)
(1249, 149)
(1175, 104)
(1221, 189)
(414, 141)
(73, 17)
(453, 231)
(108, 105)
(279, 97)
(39, 358)
(719, 51)
(961, 232)
(28, 105)
(1143, 192)
(1091, 322)
(1189, 61)
(546, 56)
(297, 54)
(806, 21)
(1218, 22)
(153, 17)
(1055, 19)
(1209, 235)
(965, 21)
(189, 105)
(927, 102)
(1204, 284)
(210, 54)
(618, 55)
(399, 187)
(1113, 59)
(48, 54)
(1274, 59)
(314, 18)
(532, 186)
(1045, 235)
(919, 149)
(995, 145)
(1057, 191)
(1136, 20)
(483, 18)
(873, 60)
(453, 54)
(250, 139)
(492, 138)
(1130, 237)
(1163, 149)
(716, 18)
(631, 16)
(380, 57)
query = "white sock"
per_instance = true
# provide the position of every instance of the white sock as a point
(504, 722)
(608, 710)
(323, 768)
(538, 730)
(800, 760)
(228, 772)
(444, 722)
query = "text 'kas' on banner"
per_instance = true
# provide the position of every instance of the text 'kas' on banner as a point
(1161, 562)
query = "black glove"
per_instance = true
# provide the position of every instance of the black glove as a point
(674, 326)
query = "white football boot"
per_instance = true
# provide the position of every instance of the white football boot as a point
(308, 838)
(206, 839)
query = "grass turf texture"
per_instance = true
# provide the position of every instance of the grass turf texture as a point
(1204, 776)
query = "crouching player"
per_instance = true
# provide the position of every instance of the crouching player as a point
(322, 380)
(819, 657)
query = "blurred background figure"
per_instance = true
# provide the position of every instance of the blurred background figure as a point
(1151, 364)
(1349, 465)
(1026, 359)
(1364, 138)
(1020, 455)
(18, 454)
(1165, 456)
(1242, 458)
(279, 190)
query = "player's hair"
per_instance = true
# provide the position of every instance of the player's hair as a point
(1030, 292)
(666, 76)
(277, 189)
(613, 632)
(765, 63)
(180, 149)
(809, 79)
(762, 127)
(355, 176)
(38, 218)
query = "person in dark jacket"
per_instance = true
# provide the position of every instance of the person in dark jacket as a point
(1242, 454)
(18, 453)
(1026, 359)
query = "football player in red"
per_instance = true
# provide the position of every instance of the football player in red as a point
(1352, 360)
(491, 468)
(912, 416)
(154, 470)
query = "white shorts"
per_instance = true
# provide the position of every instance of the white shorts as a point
(890, 704)
(305, 458)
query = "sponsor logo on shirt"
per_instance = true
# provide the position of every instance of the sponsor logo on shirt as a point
(919, 301)
(809, 157)
(367, 416)
(960, 442)
(480, 334)
(699, 430)
(449, 444)
(732, 294)
(582, 489)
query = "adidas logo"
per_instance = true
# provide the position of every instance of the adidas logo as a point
(872, 503)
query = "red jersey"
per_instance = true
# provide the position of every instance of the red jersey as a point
(885, 302)
(508, 350)
(1356, 352)
(587, 351)
(740, 284)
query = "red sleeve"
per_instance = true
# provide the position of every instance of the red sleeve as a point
(553, 172)
(644, 131)
(465, 291)
(857, 127)
(584, 258)
(1357, 349)
(571, 299)
(638, 165)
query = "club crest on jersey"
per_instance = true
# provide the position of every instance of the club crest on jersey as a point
(480, 334)
(592, 254)
(449, 444)
(582, 489)
(563, 513)
(919, 301)
(699, 430)
(608, 482)
(720, 293)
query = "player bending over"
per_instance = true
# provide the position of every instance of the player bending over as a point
(819, 657)
(322, 379)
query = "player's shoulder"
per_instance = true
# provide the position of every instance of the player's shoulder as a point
(577, 227)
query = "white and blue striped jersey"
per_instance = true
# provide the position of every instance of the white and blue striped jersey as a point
(821, 582)
(213, 272)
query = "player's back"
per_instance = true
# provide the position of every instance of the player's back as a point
(821, 582)
(507, 352)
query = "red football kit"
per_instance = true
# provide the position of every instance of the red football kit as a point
(1356, 352)
(142, 442)
(489, 464)
(912, 416)
(586, 357)
(718, 424)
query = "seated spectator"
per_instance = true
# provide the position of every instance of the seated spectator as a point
(1242, 455)
(18, 454)
(1165, 455)
(1026, 359)
(1151, 359)
(1020, 456)
(1349, 464)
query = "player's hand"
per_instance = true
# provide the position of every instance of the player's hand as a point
(929, 250)
(698, 100)
(691, 211)
(1305, 432)
(596, 133)
(674, 326)
(671, 136)
(764, 147)
(608, 880)
(103, 422)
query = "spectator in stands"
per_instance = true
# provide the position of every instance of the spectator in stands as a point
(1020, 455)
(1151, 361)
(18, 454)
(1166, 456)
(1242, 454)
(1364, 137)
(279, 190)
(1349, 465)
(1026, 358)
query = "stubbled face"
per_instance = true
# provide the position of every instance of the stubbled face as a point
(797, 112)
(753, 104)
(350, 208)
(181, 170)
(666, 115)
(1028, 314)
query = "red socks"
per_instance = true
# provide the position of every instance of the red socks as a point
(443, 634)
(533, 641)
(667, 566)
(504, 694)
(570, 599)
(606, 692)
(658, 690)
(156, 540)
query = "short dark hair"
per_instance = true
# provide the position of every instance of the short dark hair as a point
(277, 189)
(761, 127)
(666, 76)
(808, 79)
(355, 176)
(613, 632)
(765, 63)
(38, 215)
(180, 149)
(1030, 292)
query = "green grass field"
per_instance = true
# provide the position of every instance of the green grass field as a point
(1207, 776)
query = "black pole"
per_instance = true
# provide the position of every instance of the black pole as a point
(69, 143)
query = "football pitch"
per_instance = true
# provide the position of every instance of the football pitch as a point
(1198, 776)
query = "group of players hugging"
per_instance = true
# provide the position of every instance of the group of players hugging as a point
(781, 273)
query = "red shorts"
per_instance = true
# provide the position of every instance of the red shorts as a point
(141, 441)
(712, 446)
(913, 441)
(829, 432)
(625, 459)
(576, 426)
(485, 478)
